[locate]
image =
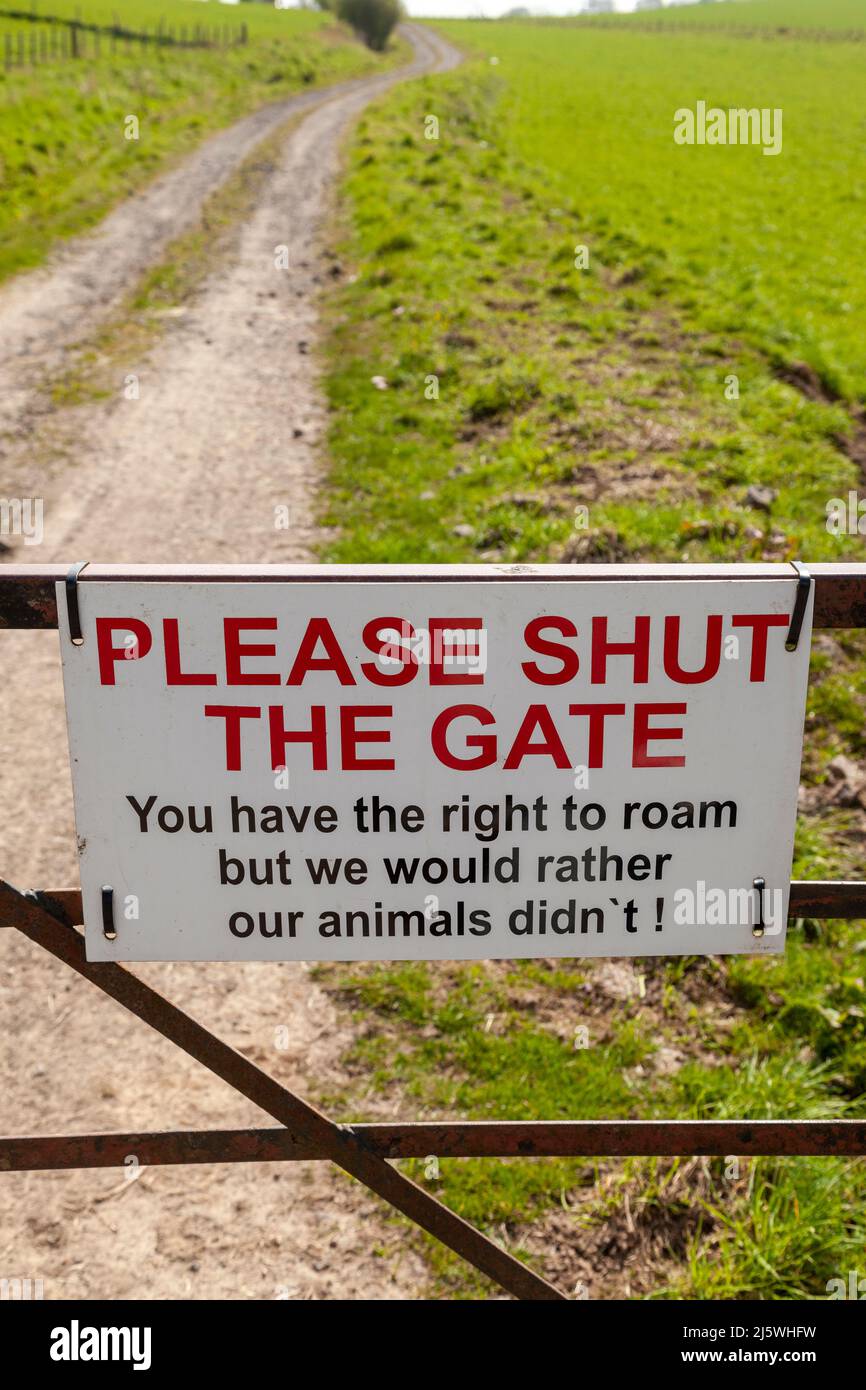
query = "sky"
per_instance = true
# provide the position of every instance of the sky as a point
(461, 9)
(489, 9)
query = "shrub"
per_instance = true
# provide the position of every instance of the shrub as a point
(372, 19)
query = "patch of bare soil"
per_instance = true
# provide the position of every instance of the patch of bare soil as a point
(223, 432)
(636, 1249)
(852, 442)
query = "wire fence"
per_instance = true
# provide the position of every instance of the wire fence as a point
(50, 38)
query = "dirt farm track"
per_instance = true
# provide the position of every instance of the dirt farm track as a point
(157, 479)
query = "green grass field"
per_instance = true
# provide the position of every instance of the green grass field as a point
(782, 15)
(521, 387)
(64, 158)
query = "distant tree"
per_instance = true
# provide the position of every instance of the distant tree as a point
(372, 19)
(648, 5)
(600, 7)
(519, 12)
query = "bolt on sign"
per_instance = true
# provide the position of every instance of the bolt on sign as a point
(435, 769)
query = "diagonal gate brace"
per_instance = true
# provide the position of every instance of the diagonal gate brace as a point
(306, 1124)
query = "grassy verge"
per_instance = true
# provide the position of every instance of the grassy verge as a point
(693, 392)
(66, 159)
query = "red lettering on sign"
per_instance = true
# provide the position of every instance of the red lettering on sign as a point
(109, 655)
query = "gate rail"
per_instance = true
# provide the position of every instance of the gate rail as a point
(50, 919)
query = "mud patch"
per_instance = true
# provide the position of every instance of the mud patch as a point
(852, 442)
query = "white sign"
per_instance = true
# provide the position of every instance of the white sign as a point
(434, 770)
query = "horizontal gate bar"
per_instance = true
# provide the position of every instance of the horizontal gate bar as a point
(27, 597)
(448, 1139)
(816, 899)
(808, 899)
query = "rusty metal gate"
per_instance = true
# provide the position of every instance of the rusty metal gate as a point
(49, 919)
